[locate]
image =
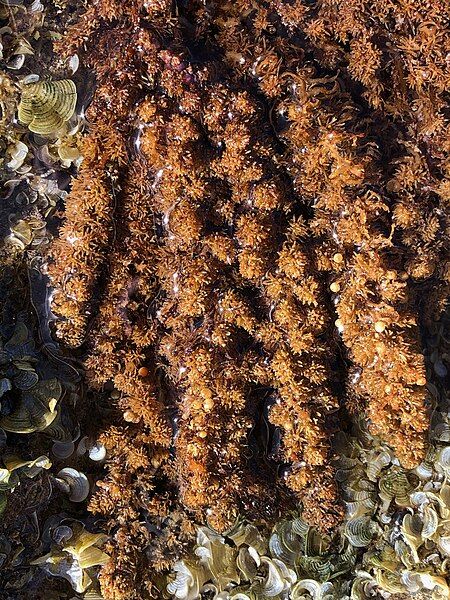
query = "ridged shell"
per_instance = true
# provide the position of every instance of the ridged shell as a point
(316, 567)
(25, 380)
(430, 522)
(46, 105)
(185, 585)
(360, 531)
(63, 449)
(394, 485)
(77, 483)
(35, 410)
(443, 458)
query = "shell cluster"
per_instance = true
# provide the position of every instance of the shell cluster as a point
(295, 562)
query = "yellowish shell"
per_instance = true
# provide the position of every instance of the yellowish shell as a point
(46, 105)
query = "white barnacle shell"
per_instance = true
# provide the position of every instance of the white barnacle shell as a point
(76, 482)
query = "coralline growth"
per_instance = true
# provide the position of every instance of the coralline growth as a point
(257, 231)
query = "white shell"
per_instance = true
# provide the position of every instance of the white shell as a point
(74, 63)
(18, 155)
(32, 78)
(443, 458)
(97, 452)
(37, 6)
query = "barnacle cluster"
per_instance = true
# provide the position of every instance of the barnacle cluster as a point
(242, 210)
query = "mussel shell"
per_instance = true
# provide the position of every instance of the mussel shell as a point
(430, 522)
(443, 458)
(248, 562)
